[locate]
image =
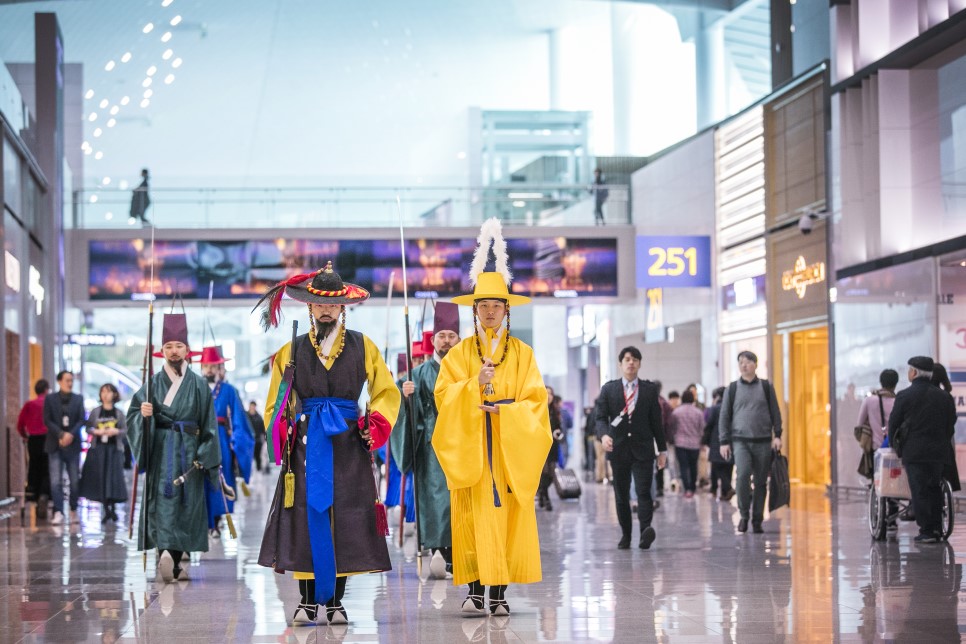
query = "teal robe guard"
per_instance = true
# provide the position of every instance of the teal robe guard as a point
(434, 496)
(177, 516)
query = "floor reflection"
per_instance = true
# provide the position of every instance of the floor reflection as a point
(815, 575)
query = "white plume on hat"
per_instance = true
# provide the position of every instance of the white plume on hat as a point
(491, 232)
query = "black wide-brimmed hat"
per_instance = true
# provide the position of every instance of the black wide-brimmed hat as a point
(323, 286)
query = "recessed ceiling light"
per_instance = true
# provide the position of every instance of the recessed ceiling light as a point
(148, 93)
(175, 21)
(92, 117)
(146, 82)
(109, 66)
(104, 103)
(166, 37)
(89, 95)
(169, 79)
(152, 70)
(111, 122)
(126, 57)
(145, 103)
(99, 156)
(97, 131)
(148, 28)
(108, 216)
(167, 54)
(115, 110)
(165, 3)
(106, 181)
(94, 197)
(125, 100)
(176, 63)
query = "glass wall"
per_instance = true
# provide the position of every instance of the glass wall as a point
(880, 320)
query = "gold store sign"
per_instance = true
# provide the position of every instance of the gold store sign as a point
(802, 276)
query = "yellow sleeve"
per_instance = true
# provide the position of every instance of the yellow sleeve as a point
(458, 437)
(384, 396)
(278, 366)
(525, 436)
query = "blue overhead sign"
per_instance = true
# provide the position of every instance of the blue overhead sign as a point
(673, 261)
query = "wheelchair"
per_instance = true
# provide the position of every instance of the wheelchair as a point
(880, 517)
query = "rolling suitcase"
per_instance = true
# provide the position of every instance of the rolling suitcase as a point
(566, 483)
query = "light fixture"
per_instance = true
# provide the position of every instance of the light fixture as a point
(148, 93)
(166, 37)
(92, 117)
(104, 103)
(146, 82)
(99, 156)
(108, 216)
(109, 66)
(152, 70)
(94, 197)
(106, 181)
(85, 145)
(148, 28)
(126, 57)
(519, 204)
(97, 131)
(89, 95)
(176, 63)
(122, 185)
(169, 79)
(115, 110)
(175, 21)
(125, 100)
(165, 3)
(111, 122)
(145, 103)
(88, 151)
(168, 53)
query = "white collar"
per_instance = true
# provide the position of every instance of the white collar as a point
(437, 358)
(626, 382)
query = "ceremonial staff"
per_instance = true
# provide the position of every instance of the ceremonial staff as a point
(385, 357)
(147, 374)
(410, 409)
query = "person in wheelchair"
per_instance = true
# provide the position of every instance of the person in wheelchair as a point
(920, 429)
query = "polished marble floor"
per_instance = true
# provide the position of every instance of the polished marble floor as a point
(814, 575)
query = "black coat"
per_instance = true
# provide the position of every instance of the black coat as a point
(931, 413)
(54, 413)
(645, 426)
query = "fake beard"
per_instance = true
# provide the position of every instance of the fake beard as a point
(176, 366)
(323, 329)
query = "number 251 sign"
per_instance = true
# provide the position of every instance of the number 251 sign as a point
(673, 261)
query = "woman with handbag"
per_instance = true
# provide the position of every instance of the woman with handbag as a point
(102, 479)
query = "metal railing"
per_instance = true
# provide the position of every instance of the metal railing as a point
(520, 204)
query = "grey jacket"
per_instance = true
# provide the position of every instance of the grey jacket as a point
(752, 417)
(54, 414)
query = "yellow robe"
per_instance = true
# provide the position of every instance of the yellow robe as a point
(497, 545)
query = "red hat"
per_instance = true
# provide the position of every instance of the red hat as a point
(427, 343)
(213, 355)
(418, 351)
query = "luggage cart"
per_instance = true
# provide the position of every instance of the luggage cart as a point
(889, 483)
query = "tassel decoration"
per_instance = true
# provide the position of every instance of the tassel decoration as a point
(272, 313)
(382, 520)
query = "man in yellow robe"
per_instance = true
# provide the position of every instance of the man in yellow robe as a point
(492, 438)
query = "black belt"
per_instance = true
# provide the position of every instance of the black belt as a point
(185, 427)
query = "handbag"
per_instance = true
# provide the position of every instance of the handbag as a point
(779, 485)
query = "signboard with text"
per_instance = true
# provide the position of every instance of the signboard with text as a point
(676, 261)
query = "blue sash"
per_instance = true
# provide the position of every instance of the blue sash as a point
(326, 418)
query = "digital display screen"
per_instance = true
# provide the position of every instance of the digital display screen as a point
(541, 267)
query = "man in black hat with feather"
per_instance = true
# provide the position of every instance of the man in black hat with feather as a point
(325, 523)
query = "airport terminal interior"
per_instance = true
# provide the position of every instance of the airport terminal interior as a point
(718, 193)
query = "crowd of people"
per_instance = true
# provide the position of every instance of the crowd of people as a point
(474, 433)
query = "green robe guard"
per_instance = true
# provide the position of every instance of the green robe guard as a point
(184, 431)
(434, 497)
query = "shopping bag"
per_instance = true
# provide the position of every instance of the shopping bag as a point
(779, 486)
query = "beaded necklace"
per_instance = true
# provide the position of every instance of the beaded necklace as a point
(506, 338)
(317, 342)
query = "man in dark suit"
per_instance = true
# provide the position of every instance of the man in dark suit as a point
(930, 415)
(629, 423)
(64, 417)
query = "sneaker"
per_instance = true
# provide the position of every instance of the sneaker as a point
(437, 566)
(58, 518)
(305, 614)
(926, 537)
(166, 567)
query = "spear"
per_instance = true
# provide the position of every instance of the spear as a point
(385, 357)
(410, 411)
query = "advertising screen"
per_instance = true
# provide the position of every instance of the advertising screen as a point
(542, 267)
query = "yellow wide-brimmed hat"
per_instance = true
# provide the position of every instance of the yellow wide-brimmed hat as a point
(491, 286)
